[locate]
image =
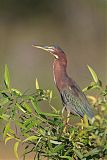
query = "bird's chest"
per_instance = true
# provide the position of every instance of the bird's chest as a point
(60, 77)
(60, 81)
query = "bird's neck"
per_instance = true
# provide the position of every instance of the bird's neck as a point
(60, 74)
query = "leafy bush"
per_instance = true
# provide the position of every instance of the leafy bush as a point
(46, 134)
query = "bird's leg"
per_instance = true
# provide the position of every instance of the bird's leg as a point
(66, 121)
(63, 109)
(68, 115)
(64, 117)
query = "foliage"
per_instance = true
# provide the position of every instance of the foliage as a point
(46, 134)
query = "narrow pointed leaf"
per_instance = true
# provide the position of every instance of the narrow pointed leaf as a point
(66, 157)
(16, 92)
(92, 152)
(7, 77)
(16, 150)
(55, 142)
(50, 96)
(36, 106)
(20, 124)
(27, 107)
(37, 84)
(8, 138)
(78, 153)
(6, 130)
(31, 138)
(58, 148)
(89, 88)
(20, 107)
(94, 75)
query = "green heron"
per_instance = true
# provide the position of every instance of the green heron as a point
(74, 100)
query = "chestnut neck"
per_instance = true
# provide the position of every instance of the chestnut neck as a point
(60, 74)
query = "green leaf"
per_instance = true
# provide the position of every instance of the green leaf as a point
(16, 92)
(89, 88)
(16, 150)
(94, 75)
(57, 148)
(50, 96)
(31, 138)
(30, 125)
(27, 107)
(78, 153)
(21, 108)
(92, 152)
(8, 138)
(29, 121)
(36, 106)
(6, 130)
(20, 124)
(5, 117)
(3, 101)
(55, 142)
(37, 84)
(66, 157)
(7, 77)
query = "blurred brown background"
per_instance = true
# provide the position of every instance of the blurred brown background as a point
(79, 27)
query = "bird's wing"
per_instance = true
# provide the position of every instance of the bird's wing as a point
(75, 100)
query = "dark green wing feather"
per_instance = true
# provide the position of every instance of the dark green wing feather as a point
(75, 101)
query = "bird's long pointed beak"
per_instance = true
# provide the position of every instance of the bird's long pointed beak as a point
(41, 47)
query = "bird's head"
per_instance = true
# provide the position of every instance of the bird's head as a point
(56, 51)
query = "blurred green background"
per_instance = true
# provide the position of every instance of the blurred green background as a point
(79, 27)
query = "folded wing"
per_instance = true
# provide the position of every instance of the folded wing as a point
(75, 101)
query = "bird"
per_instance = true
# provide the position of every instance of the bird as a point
(73, 99)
